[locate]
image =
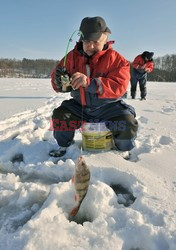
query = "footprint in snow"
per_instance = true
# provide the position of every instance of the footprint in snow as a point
(143, 119)
(148, 110)
(14, 216)
(165, 140)
(168, 109)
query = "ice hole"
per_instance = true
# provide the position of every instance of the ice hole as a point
(80, 218)
(124, 196)
(17, 158)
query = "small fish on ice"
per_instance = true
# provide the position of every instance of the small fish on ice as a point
(81, 181)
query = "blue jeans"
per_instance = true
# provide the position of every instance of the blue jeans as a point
(142, 79)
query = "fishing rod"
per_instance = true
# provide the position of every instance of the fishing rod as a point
(65, 78)
(69, 41)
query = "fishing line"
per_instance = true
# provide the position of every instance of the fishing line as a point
(65, 58)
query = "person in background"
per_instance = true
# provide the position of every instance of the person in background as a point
(141, 66)
(98, 78)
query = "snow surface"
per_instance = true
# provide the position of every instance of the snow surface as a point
(17, 95)
(129, 204)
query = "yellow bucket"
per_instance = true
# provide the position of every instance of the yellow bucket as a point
(96, 137)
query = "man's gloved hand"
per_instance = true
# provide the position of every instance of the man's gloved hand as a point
(61, 73)
(147, 70)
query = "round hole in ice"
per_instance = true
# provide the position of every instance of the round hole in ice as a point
(124, 196)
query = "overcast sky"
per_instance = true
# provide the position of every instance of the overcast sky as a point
(41, 28)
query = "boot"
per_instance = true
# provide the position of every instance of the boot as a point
(143, 98)
(58, 152)
(124, 154)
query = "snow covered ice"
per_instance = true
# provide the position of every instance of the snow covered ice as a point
(129, 204)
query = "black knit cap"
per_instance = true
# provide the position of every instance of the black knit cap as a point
(148, 55)
(92, 28)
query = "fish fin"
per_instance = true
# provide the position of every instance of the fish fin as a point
(74, 211)
(76, 197)
(73, 179)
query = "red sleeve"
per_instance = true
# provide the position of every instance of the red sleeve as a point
(60, 64)
(149, 67)
(115, 84)
(138, 62)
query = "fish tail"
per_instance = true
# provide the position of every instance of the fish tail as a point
(74, 211)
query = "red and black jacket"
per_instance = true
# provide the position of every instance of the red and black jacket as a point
(108, 75)
(141, 65)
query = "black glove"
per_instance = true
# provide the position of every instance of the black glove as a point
(62, 80)
(60, 73)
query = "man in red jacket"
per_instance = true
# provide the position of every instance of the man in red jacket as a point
(97, 77)
(141, 65)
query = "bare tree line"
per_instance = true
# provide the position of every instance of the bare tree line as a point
(39, 68)
(164, 71)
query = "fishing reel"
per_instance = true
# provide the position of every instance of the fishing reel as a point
(63, 79)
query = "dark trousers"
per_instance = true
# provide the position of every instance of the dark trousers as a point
(123, 128)
(142, 84)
